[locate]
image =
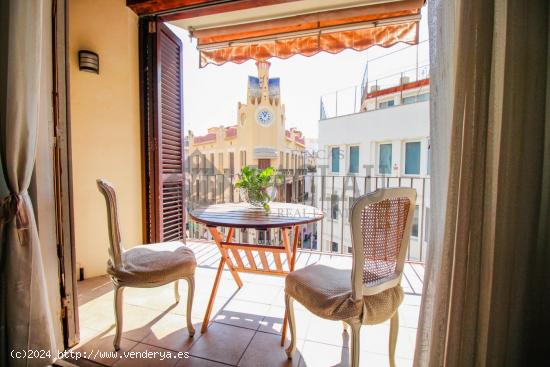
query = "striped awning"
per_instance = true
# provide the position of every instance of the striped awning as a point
(355, 28)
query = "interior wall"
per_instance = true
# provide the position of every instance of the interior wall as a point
(105, 126)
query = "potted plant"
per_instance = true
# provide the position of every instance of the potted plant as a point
(258, 187)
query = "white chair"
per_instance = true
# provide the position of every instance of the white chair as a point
(145, 266)
(370, 293)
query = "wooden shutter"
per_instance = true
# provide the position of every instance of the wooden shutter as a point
(169, 157)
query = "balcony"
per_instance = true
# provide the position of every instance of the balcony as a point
(333, 194)
(245, 329)
(246, 323)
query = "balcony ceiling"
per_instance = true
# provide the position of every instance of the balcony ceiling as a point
(237, 31)
(218, 16)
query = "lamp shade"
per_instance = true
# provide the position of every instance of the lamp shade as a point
(88, 61)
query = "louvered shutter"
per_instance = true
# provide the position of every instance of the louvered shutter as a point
(169, 138)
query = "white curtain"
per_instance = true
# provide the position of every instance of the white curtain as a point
(26, 321)
(487, 281)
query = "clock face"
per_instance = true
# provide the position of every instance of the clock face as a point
(264, 116)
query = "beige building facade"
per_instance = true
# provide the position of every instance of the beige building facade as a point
(259, 138)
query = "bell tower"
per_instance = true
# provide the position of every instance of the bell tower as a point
(263, 76)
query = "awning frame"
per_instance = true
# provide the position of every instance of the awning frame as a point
(319, 31)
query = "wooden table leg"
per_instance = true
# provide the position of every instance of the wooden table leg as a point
(212, 296)
(218, 239)
(291, 267)
(224, 260)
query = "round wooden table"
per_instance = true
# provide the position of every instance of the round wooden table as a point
(241, 257)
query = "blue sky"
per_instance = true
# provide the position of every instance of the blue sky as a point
(211, 94)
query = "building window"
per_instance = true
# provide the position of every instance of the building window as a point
(335, 160)
(409, 100)
(334, 246)
(220, 162)
(231, 162)
(419, 98)
(384, 159)
(386, 104)
(334, 209)
(203, 164)
(264, 163)
(412, 158)
(414, 230)
(281, 160)
(212, 168)
(354, 159)
(423, 97)
(287, 164)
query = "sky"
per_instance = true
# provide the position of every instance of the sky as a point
(211, 94)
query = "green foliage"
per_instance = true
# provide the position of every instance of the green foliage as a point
(256, 183)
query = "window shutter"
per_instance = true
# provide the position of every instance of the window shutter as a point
(169, 138)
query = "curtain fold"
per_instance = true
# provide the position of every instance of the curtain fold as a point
(486, 269)
(26, 317)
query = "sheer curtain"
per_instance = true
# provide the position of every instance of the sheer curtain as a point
(487, 269)
(26, 320)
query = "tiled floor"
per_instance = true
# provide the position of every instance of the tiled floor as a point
(246, 324)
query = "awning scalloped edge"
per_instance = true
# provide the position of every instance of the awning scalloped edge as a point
(358, 40)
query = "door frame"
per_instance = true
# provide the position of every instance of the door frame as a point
(62, 174)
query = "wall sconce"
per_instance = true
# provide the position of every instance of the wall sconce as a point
(88, 61)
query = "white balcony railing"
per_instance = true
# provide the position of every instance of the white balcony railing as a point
(334, 195)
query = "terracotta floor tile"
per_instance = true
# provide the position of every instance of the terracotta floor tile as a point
(152, 318)
(100, 349)
(171, 333)
(200, 304)
(143, 355)
(375, 339)
(327, 332)
(318, 354)
(242, 314)
(273, 320)
(259, 293)
(222, 343)
(265, 350)
(193, 361)
(408, 316)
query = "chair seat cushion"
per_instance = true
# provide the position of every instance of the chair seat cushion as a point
(155, 263)
(326, 292)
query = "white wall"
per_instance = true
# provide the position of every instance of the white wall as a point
(395, 125)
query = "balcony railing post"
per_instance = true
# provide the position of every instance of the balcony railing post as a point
(323, 194)
(344, 178)
(336, 107)
(355, 100)
(401, 92)
(423, 216)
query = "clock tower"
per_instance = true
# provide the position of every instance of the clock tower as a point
(259, 137)
(262, 118)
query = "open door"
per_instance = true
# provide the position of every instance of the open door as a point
(163, 134)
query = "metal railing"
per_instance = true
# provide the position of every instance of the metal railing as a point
(334, 195)
(356, 98)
